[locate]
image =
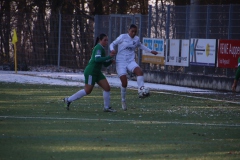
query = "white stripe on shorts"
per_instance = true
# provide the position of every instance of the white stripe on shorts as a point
(90, 80)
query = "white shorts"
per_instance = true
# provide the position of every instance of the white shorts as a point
(122, 67)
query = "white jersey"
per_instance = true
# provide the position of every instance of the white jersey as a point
(126, 47)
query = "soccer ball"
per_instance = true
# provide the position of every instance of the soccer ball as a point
(143, 92)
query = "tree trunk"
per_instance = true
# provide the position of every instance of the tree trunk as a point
(39, 40)
(5, 31)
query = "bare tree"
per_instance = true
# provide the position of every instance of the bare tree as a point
(5, 19)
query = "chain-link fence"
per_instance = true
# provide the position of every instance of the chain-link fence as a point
(67, 40)
(47, 39)
(179, 22)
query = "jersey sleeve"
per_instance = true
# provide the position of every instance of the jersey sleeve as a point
(143, 47)
(117, 41)
(99, 57)
(237, 75)
(107, 63)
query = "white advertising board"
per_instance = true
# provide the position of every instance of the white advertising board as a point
(177, 53)
(203, 52)
(156, 45)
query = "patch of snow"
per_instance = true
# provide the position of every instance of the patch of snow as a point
(77, 79)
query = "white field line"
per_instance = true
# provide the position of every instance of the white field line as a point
(117, 120)
(182, 95)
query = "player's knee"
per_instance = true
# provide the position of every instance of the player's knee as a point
(107, 88)
(124, 85)
(88, 91)
(124, 81)
(138, 71)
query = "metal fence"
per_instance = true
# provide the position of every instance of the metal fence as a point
(47, 39)
(178, 22)
(67, 40)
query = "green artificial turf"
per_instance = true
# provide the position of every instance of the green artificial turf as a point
(34, 124)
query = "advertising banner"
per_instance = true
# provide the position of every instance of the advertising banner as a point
(203, 52)
(156, 45)
(228, 53)
(177, 52)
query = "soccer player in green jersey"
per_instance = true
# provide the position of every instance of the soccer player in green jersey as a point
(93, 74)
(237, 75)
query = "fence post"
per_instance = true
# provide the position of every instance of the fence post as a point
(187, 23)
(96, 27)
(229, 22)
(167, 21)
(207, 23)
(59, 37)
(229, 30)
(109, 37)
(167, 31)
(140, 36)
(149, 20)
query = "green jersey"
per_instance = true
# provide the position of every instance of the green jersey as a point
(98, 59)
(237, 75)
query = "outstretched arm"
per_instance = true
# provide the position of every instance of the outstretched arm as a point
(98, 58)
(143, 47)
(109, 62)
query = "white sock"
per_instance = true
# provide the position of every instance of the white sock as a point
(106, 98)
(123, 93)
(140, 81)
(77, 95)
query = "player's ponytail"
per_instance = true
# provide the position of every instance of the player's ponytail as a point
(100, 37)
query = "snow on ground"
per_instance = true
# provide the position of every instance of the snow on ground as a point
(77, 79)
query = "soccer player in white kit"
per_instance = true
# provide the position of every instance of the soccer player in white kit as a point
(125, 59)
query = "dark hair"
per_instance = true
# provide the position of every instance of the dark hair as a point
(132, 26)
(100, 37)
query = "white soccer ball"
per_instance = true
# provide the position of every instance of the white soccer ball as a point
(143, 91)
